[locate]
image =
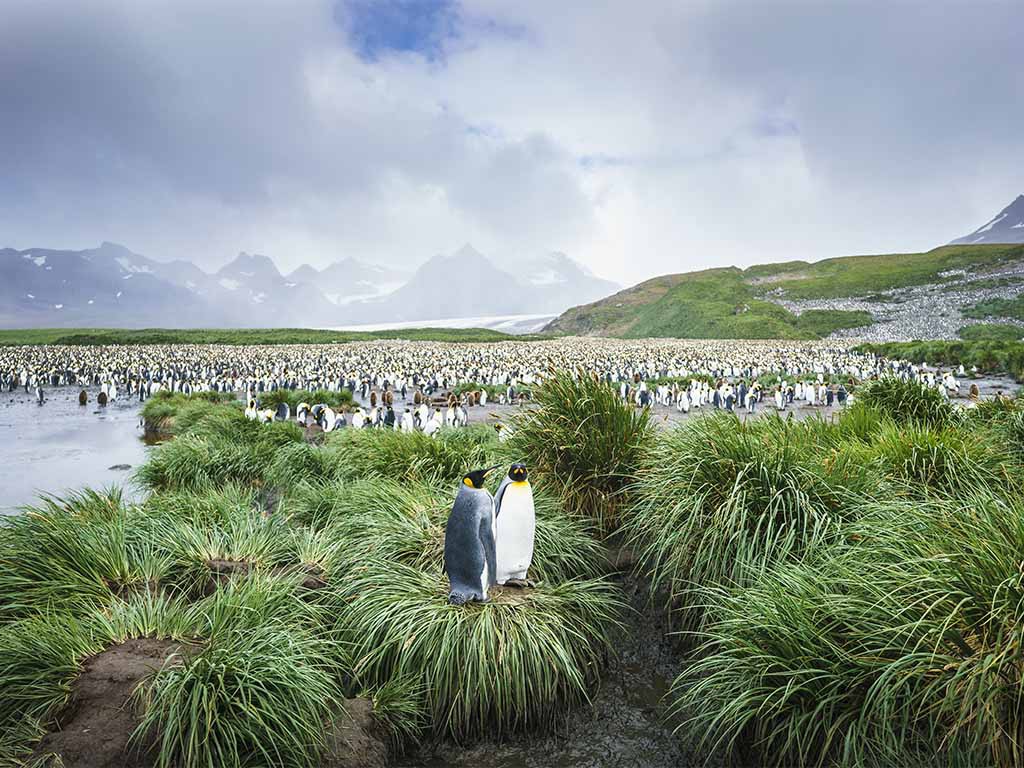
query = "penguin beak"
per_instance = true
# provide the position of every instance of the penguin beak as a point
(491, 469)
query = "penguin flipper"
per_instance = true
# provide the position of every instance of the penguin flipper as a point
(490, 553)
(500, 493)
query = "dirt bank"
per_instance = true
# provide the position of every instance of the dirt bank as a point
(95, 729)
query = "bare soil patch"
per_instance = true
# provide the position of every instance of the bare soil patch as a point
(95, 729)
(352, 740)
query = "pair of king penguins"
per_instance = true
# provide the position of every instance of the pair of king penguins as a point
(489, 540)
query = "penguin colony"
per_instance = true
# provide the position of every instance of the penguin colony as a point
(489, 539)
(412, 367)
(722, 373)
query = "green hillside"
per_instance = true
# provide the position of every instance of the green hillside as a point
(730, 303)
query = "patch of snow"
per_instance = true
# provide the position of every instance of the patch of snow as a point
(30, 295)
(546, 277)
(190, 285)
(977, 240)
(260, 297)
(37, 260)
(510, 323)
(126, 277)
(118, 295)
(58, 306)
(127, 265)
(231, 285)
(374, 291)
(992, 223)
(290, 285)
(1018, 225)
(48, 269)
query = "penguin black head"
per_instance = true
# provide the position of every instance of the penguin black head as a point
(517, 473)
(475, 479)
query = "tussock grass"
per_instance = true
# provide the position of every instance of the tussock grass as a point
(946, 459)
(258, 692)
(301, 463)
(75, 553)
(584, 443)
(254, 695)
(443, 459)
(404, 523)
(398, 711)
(900, 647)
(336, 399)
(214, 454)
(208, 506)
(41, 655)
(719, 501)
(175, 413)
(907, 401)
(516, 662)
(258, 540)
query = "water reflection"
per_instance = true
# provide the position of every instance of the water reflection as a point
(61, 445)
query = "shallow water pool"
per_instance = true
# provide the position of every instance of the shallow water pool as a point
(62, 446)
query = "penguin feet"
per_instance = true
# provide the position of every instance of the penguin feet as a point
(521, 583)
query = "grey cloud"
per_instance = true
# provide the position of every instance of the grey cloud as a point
(693, 134)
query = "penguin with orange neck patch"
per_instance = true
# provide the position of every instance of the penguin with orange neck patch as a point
(515, 526)
(469, 558)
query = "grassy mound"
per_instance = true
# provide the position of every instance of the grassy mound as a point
(404, 523)
(76, 553)
(718, 501)
(256, 686)
(899, 648)
(583, 443)
(174, 413)
(336, 400)
(516, 662)
(416, 457)
(224, 447)
(925, 459)
(906, 401)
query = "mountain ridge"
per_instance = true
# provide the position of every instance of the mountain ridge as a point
(110, 285)
(1007, 226)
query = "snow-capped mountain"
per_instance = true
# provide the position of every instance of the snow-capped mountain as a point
(468, 284)
(105, 286)
(350, 280)
(110, 286)
(1006, 227)
(554, 278)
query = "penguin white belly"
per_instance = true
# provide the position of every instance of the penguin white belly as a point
(514, 533)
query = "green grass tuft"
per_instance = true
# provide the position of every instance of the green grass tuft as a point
(525, 657)
(583, 443)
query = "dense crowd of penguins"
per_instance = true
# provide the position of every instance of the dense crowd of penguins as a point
(684, 374)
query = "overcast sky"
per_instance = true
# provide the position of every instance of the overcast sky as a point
(637, 137)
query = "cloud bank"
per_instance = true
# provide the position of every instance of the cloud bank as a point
(639, 138)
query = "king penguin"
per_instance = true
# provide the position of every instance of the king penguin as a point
(514, 528)
(469, 557)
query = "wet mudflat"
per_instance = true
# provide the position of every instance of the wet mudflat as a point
(62, 446)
